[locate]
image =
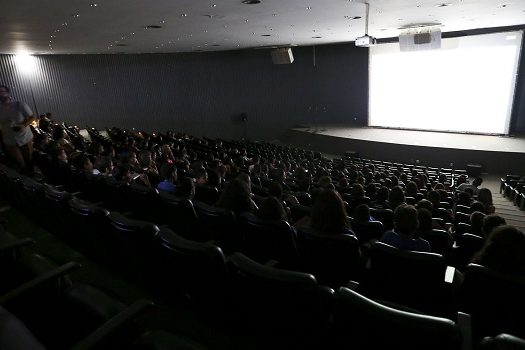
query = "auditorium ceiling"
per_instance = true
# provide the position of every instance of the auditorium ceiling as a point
(145, 26)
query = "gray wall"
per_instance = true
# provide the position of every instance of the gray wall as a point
(200, 93)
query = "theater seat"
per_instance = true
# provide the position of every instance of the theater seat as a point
(361, 323)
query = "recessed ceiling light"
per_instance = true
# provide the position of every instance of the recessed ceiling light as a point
(316, 37)
(153, 26)
(265, 35)
(308, 7)
(443, 5)
(93, 5)
(251, 2)
(75, 15)
(184, 15)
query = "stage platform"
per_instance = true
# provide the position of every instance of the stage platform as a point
(496, 154)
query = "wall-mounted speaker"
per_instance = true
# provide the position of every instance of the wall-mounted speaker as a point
(282, 55)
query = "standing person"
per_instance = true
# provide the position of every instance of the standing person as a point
(15, 118)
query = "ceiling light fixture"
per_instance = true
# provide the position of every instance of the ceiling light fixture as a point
(154, 26)
(251, 2)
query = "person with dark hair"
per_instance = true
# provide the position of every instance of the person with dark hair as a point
(406, 224)
(381, 201)
(186, 188)
(396, 197)
(476, 223)
(271, 208)
(236, 197)
(485, 197)
(168, 173)
(17, 137)
(474, 186)
(490, 222)
(328, 213)
(503, 251)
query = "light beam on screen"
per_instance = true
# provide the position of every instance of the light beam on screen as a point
(466, 86)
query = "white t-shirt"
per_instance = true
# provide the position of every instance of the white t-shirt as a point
(12, 113)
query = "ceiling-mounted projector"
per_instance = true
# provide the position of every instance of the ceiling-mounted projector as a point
(365, 41)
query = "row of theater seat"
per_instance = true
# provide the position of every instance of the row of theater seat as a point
(237, 285)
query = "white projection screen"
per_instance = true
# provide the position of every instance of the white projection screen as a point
(466, 86)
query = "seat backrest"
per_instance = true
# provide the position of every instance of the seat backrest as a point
(440, 241)
(415, 279)
(264, 240)
(179, 214)
(217, 224)
(206, 194)
(502, 342)
(466, 246)
(386, 216)
(278, 299)
(367, 230)
(332, 259)
(362, 323)
(494, 300)
(193, 268)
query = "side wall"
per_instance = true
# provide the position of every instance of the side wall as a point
(199, 93)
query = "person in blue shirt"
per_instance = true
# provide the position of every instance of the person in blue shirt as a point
(168, 172)
(405, 226)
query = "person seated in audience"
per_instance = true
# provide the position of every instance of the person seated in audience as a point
(236, 197)
(476, 223)
(271, 208)
(357, 197)
(186, 188)
(474, 186)
(464, 198)
(426, 225)
(61, 138)
(411, 189)
(490, 222)
(477, 206)
(168, 172)
(328, 214)
(362, 213)
(503, 251)
(381, 201)
(83, 164)
(371, 191)
(485, 197)
(303, 179)
(405, 226)
(104, 165)
(148, 167)
(124, 173)
(396, 197)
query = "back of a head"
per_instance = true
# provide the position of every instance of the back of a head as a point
(477, 181)
(362, 213)
(425, 219)
(426, 204)
(396, 195)
(406, 220)
(477, 206)
(358, 191)
(275, 189)
(503, 251)
(186, 188)
(490, 222)
(328, 212)
(485, 197)
(476, 222)
(271, 208)
(236, 196)
(382, 193)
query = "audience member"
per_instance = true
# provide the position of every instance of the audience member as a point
(405, 226)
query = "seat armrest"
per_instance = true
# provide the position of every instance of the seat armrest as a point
(271, 263)
(464, 323)
(16, 244)
(38, 281)
(352, 285)
(113, 325)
